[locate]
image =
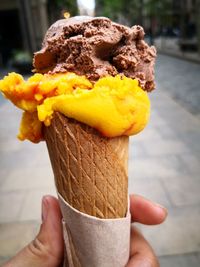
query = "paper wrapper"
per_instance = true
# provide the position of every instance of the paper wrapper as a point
(94, 242)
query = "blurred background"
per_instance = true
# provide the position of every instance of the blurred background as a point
(164, 160)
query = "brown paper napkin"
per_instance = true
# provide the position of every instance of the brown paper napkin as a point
(94, 242)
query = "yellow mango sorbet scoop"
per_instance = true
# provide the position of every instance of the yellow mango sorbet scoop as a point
(114, 106)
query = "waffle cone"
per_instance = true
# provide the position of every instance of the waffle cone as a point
(90, 170)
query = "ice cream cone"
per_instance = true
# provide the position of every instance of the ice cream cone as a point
(94, 71)
(90, 170)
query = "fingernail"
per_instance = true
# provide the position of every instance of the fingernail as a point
(44, 208)
(157, 205)
(161, 208)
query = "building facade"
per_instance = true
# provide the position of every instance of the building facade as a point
(23, 24)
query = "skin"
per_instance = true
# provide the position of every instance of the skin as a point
(48, 247)
(146, 212)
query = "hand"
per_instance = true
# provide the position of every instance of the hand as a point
(46, 250)
(145, 212)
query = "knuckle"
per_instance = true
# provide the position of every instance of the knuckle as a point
(37, 248)
(41, 250)
(152, 261)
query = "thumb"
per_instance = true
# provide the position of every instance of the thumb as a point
(46, 249)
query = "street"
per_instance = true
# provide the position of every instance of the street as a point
(163, 166)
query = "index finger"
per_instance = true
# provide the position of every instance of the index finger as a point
(146, 212)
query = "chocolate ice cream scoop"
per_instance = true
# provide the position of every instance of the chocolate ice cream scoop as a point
(97, 47)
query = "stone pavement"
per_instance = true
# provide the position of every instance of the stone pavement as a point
(164, 167)
(180, 79)
(170, 46)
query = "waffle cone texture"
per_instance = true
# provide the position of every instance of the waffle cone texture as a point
(90, 170)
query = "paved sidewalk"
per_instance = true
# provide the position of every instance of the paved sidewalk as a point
(170, 46)
(163, 166)
(180, 80)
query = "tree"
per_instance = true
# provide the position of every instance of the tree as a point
(135, 11)
(109, 8)
(124, 11)
(56, 8)
(198, 22)
(158, 13)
